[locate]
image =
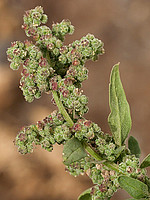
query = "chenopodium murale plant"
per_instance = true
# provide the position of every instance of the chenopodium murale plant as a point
(50, 66)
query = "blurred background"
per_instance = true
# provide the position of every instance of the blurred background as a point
(124, 27)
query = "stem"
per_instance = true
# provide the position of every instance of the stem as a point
(89, 150)
(62, 109)
(114, 167)
(48, 58)
(50, 62)
(109, 164)
(92, 152)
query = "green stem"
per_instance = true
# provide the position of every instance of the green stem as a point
(110, 165)
(89, 150)
(48, 57)
(50, 62)
(62, 109)
(92, 152)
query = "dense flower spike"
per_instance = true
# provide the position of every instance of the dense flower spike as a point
(49, 66)
(27, 137)
(45, 133)
(36, 73)
(32, 19)
(85, 129)
(16, 54)
(49, 57)
(71, 96)
(61, 29)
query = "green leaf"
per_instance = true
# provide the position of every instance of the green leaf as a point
(147, 182)
(134, 187)
(130, 199)
(145, 162)
(136, 199)
(118, 151)
(73, 151)
(85, 195)
(134, 146)
(119, 119)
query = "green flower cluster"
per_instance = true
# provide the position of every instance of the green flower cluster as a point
(45, 39)
(36, 70)
(78, 73)
(130, 164)
(106, 181)
(63, 28)
(107, 147)
(85, 129)
(48, 57)
(103, 143)
(103, 191)
(62, 133)
(32, 19)
(52, 129)
(27, 137)
(36, 73)
(77, 53)
(16, 54)
(70, 95)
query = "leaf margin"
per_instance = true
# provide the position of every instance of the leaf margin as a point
(114, 116)
(73, 148)
(134, 147)
(146, 162)
(134, 181)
